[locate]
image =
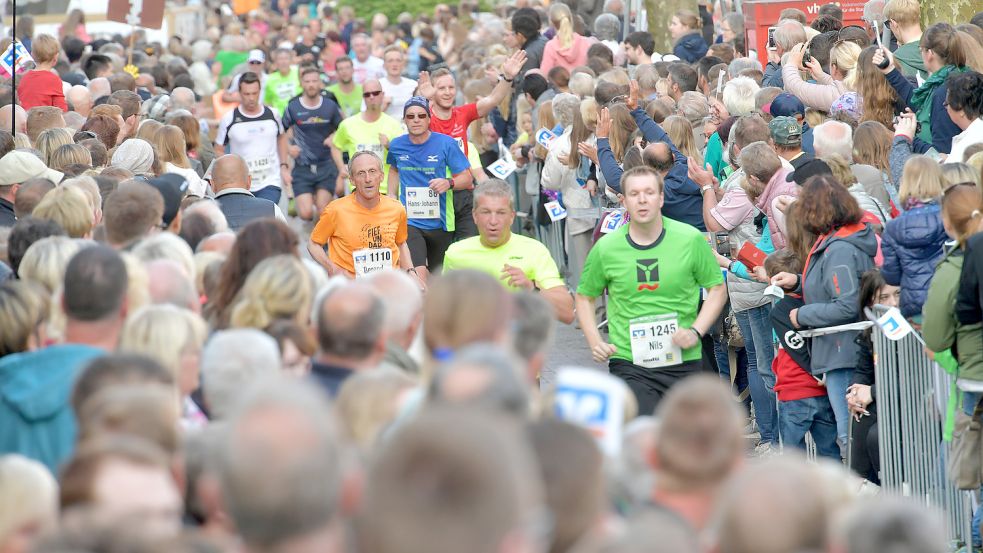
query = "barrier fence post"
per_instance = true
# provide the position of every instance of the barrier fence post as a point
(911, 396)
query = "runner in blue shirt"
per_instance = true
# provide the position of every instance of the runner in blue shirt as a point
(314, 117)
(419, 162)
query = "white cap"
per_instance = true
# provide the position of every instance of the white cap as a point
(17, 167)
(256, 55)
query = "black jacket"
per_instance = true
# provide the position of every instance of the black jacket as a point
(7, 217)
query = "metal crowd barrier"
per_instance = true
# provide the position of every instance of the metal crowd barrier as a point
(911, 398)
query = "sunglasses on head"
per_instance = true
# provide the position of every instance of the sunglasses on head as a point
(412, 116)
(371, 94)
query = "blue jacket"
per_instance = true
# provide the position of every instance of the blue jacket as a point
(943, 129)
(690, 47)
(912, 247)
(683, 199)
(831, 290)
(36, 419)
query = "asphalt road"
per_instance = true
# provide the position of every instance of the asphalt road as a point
(569, 349)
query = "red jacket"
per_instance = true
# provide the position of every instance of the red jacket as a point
(41, 88)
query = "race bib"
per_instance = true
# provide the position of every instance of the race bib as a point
(371, 260)
(651, 341)
(260, 168)
(374, 148)
(422, 203)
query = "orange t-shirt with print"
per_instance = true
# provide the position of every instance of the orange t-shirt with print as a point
(351, 227)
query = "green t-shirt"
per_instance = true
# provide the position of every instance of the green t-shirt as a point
(355, 134)
(520, 251)
(351, 103)
(659, 279)
(280, 89)
(230, 59)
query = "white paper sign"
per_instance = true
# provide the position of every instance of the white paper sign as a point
(594, 400)
(502, 168)
(774, 291)
(612, 221)
(545, 137)
(422, 203)
(555, 211)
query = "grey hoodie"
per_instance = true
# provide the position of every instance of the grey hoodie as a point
(831, 288)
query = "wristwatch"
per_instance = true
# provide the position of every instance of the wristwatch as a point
(705, 188)
(502, 76)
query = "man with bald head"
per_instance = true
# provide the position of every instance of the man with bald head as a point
(230, 181)
(350, 335)
(220, 242)
(169, 283)
(99, 87)
(403, 302)
(8, 113)
(80, 100)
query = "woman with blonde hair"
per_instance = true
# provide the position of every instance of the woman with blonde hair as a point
(50, 140)
(173, 337)
(192, 140)
(278, 288)
(567, 49)
(70, 154)
(172, 153)
(24, 309)
(148, 129)
(960, 173)
(842, 77)
(69, 207)
(45, 261)
(369, 401)
(912, 243)
(680, 131)
(688, 42)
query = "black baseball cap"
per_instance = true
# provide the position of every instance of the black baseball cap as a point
(173, 188)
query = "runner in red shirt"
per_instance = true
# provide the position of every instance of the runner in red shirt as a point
(441, 89)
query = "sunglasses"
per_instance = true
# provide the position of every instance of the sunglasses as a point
(372, 94)
(410, 116)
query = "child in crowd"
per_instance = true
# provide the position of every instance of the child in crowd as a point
(803, 405)
(42, 86)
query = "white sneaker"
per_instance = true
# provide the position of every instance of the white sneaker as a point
(764, 450)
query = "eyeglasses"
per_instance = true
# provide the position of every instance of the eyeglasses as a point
(410, 116)
(371, 94)
(82, 135)
(254, 62)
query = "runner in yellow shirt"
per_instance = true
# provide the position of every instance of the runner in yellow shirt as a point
(519, 261)
(370, 130)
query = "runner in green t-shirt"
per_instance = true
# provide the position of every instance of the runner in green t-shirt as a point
(518, 261)
(370, 130)
(348, 93)
(653, 269)
(283, 83)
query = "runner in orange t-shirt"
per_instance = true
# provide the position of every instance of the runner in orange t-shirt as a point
(364, 232)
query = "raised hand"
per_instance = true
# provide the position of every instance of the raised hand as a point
(603, 128)
(514, 64)
(423, 85)
(632, 102)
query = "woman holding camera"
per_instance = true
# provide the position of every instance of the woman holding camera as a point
(842, 75)
(945, 51)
